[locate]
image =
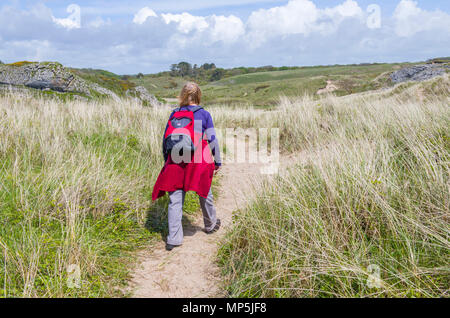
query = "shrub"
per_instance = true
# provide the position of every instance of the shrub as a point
(22, 63)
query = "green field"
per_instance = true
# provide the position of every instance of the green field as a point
(256, 87)
(265, 88)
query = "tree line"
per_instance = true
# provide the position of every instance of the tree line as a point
(209, 72)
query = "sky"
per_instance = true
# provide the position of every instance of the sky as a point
(128, 37)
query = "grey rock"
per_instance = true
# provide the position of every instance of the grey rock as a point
(45, 85)
(53, 76)
(50, 76)
(105, 91)
(142, 93)
(418, 73)
(38, 76)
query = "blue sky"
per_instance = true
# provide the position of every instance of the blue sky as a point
(147, 36)
(242, 8)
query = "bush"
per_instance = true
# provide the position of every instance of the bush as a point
(22, 63)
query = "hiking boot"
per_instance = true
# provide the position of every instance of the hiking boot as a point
(216, 228)
(170, 247)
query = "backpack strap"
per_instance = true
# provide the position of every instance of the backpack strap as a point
(196, 109)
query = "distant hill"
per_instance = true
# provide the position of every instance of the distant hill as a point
(263, 86)
(257, 86)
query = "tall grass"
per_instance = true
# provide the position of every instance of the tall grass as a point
(75, 185)
(75, 192)
(371, 188)
(364, 212)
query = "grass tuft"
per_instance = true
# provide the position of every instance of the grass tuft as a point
(368, 201)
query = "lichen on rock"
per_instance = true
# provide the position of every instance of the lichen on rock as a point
(55, 77)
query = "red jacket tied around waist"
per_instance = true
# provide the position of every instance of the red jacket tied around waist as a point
(195, 172)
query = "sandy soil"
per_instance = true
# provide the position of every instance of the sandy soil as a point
(190, 270)
(331, 87)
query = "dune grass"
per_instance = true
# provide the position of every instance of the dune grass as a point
(365, 210)
(370, 188)
(75, 186)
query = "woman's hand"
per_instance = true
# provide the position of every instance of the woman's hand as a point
(216, 169)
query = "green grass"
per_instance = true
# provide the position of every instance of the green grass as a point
(306, 72)
(77, 192)
(255, 87)
(106, 79)
(163, 86)
(75, 189)
(263, 89)
(76, 179)
(370, 191)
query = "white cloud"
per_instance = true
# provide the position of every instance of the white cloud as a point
(296, 33)
(175, 6)
(299, 17)
(410, 19)
(213, 28)
(143, 14)
(205, 30)
(349, 8)
(186, 22)
(98, 22)
(227, 29)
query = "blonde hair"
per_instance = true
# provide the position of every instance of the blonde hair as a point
(190, 94)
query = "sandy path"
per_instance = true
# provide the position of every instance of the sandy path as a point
(190, 270)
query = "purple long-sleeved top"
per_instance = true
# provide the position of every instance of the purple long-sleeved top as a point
(205, 118)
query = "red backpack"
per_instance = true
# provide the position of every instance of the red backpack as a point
(179, 135)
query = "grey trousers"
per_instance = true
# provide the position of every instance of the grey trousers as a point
(176, 202)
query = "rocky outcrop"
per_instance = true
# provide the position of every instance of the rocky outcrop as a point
(53, 76)
(418, 73)
(43, 76)
(104, 91)
(142, 94)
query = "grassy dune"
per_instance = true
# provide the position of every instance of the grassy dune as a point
(75, 186)
(369, 195)
(371, 188)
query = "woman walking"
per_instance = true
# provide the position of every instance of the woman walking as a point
(191, 154)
